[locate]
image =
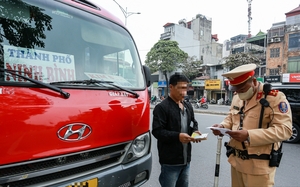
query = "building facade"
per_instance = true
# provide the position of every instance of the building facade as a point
(283, 49)
(278, 50)
(195, 38)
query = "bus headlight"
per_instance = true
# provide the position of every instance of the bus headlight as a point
(139, 147)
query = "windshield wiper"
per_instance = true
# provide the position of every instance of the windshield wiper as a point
(51, 87)
(94, 81)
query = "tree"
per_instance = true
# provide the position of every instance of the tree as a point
(23, 24)
(235, 60)
(165, 56)
(190, 67)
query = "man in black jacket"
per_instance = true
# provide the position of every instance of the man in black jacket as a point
(173, 125)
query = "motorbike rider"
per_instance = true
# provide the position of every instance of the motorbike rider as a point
(153, 99)
(202, 100)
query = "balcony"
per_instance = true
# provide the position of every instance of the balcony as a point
(293, 28)
(166, 36)
(276, 33)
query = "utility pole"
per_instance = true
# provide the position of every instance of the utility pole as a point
(126, 14)
(249, 18)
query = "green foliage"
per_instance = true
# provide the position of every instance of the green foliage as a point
(21, 27)
(235, 60)
(165, 56)
(190, 67)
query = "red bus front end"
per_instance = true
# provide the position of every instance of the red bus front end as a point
(74, 97)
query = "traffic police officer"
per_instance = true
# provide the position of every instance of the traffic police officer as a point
(259, 120)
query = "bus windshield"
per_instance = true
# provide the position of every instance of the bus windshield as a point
(52, 44)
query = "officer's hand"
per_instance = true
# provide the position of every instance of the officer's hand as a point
(239, 135)
(216, 132)
(184, 138)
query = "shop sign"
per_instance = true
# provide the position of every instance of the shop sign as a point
(198, 83)
(291, 78)
(260, 79)
(272, 78)
(213, 84)
(162, 84)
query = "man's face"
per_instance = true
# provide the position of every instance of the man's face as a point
(179, 91)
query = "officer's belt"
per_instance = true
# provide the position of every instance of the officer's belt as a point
(243, 154)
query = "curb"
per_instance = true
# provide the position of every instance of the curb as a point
(211, 112)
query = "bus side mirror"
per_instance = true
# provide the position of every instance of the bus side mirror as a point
(147, 75)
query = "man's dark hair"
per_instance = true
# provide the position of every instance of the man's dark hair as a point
(178, 77)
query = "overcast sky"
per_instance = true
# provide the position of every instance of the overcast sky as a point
(229, 17)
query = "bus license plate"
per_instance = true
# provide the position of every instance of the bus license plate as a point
(88, 183)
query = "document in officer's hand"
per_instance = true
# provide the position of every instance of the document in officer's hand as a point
(198, 136)
(222, 130)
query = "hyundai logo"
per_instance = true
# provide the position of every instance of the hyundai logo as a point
(74, 132)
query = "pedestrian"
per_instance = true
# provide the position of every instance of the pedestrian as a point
(173, 125)
(259, 120)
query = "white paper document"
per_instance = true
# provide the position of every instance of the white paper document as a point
(222, 130)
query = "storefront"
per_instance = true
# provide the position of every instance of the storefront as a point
(154, 89)
(213, 88)
(162, 88)
(228, 93)
(198, 86)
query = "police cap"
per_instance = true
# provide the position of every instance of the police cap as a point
(240, 74)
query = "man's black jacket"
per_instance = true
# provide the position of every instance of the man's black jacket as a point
(166, 127)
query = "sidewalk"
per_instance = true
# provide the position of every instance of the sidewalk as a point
(204, 111)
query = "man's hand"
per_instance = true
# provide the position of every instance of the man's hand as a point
(185, 138)
(239, 135)
(216, 132)
(196, 140)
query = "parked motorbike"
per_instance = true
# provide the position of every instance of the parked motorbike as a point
(201, 105)
(212, 101)
(227, 102)
(193, 101)
(186, 98)
(154, 100)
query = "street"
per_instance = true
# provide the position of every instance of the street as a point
(212, 109)
(203, 162)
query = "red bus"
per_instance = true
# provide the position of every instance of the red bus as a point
(74, 97)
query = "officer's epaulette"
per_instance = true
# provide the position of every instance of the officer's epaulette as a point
(259, 95)
(273, 93)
